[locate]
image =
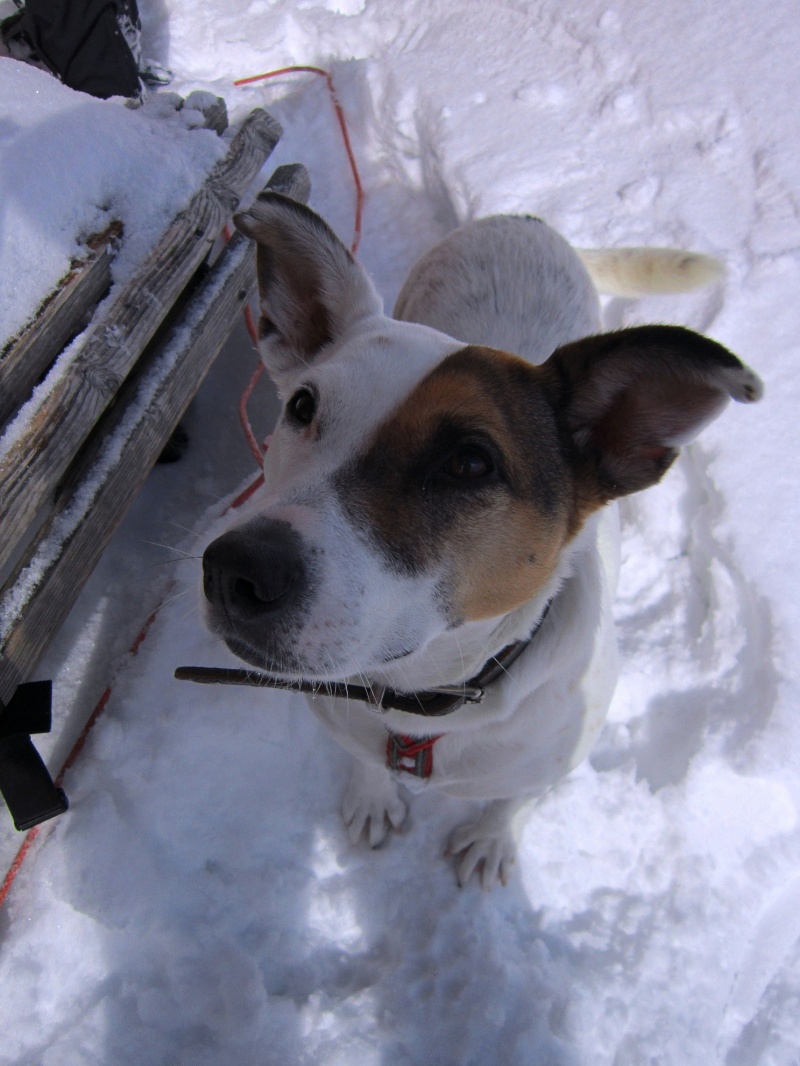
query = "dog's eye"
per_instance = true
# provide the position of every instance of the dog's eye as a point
(468, 464)
(302, 407)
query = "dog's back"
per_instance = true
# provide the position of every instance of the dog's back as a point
(512, 282)
(506, 282)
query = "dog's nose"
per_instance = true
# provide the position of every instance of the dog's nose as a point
(255, 570)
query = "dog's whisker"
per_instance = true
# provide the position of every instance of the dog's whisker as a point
(166, 547)
(461, 657)
(216, 497)
(184, 529)
(173, 599)
(173, 562)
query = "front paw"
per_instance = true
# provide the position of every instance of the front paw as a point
(372, 807)
(489, 852)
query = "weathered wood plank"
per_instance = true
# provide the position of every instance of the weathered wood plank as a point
(292, 180)
(97, 502)
(99, 490)
(43, 449)
(28, 356)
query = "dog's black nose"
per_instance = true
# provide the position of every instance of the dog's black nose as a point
(255, 570)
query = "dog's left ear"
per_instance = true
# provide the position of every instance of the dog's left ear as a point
(310, 287)
(627, 400)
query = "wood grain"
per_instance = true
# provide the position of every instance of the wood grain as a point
(163, 386)
(92, 499)
(34, 464)
(27, 357)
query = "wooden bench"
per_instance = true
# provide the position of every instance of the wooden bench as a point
(73, 457)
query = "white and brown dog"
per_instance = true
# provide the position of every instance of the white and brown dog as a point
(432, 501)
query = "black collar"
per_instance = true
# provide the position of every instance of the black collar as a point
(431, 703)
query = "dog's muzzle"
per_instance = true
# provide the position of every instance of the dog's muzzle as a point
(256, 581)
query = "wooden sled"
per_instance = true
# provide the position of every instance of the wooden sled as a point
(73, 457)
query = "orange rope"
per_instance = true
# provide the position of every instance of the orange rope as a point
(250, 437)
(337, 107)
(14, 869)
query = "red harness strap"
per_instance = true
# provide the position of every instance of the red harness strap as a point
(414, 755)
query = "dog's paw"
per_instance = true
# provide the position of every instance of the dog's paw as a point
(372, 807)
(486, 851)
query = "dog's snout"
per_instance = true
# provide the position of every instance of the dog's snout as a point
(255, 571)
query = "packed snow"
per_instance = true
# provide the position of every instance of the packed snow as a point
(200, 902)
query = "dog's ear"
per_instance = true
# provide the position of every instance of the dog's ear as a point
(627, 400)
(310, 287)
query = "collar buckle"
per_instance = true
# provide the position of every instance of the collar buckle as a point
(467, 693)
(375, 696)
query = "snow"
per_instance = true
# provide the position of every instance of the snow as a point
(71, 165)
(200, 902)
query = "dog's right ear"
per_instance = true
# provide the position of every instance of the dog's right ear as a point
(628, 400)
(311, 290)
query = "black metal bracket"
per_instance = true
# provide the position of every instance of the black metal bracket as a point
(25, 781)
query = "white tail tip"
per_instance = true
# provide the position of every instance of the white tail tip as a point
(649, 271)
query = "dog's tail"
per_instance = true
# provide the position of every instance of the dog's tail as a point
(648, 271)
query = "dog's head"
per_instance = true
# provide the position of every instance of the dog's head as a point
(415, 484)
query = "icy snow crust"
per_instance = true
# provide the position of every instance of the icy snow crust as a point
(200, 903)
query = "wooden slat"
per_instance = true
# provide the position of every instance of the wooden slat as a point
(37, 460)
(291, 179)
(174, 379)
(171, 371)
(28, 356)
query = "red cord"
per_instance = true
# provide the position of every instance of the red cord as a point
(413, 745)
(14, 869)
(250, 436)
(251, 326)
(337, 107)
(402, 749)
(245, 495)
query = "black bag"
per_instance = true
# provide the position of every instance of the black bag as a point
(91, 45)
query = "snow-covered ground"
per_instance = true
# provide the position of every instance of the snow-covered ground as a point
(200, 903)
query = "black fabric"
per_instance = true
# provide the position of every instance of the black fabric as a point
(25, 781)
(26, 785)
(82, 43)
(29, 710)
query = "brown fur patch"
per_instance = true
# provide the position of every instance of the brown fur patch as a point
(497, 538)
(505, 558)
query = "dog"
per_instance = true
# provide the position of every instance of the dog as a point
(439, 502)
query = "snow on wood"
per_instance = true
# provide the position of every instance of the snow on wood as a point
(42, 442)
(97, 491)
